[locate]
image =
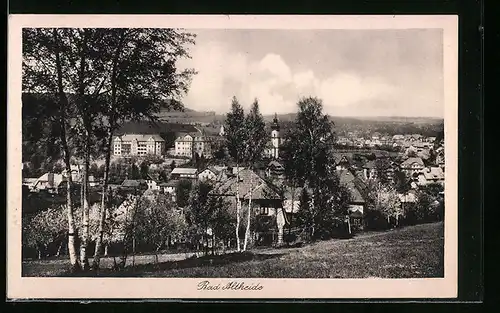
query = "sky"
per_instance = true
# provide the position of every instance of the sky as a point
(354, 72)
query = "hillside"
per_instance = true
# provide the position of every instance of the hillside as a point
(410, 252)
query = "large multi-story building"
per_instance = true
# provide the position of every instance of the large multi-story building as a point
(138, 145)
(188, 144)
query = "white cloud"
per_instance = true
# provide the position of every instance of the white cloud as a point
(223, 73)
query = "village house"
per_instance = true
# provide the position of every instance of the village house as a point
(266, 203)
(275, 170)
(93, 182)
(152, 183)
(169, 187)
(76, 172)
(341, 162)
(440, 157)
(134, 185)
(184, 173)
(412, 166)
(407, 199)
(226, 172)
(208, 174)
(357, 202)
(30, 183)
(50, 182)
(398, 138)
(138, 145)
(431, 175)
(369, 170)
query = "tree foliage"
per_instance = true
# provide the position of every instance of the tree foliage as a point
(308, 160)
(183, 191)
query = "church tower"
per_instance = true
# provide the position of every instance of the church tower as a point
(275, 137)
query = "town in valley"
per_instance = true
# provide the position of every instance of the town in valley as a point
(167, 190)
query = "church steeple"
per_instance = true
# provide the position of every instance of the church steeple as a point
(275, 125)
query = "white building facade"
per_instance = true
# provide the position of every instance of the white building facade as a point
(187, 145)
(138, 145)
(272, 150)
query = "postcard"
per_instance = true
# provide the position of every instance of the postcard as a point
(232, 156)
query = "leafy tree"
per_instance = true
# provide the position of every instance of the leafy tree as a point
(200, 210)
(142, 78)
(100, 171)
(157, 221)
(43, 69)
(255, 144)
(423, 206)
(43, 228)
(235, 139)
(144, 170)
(382, 165)
(310, 160)
(134, 172)
(223, 223)
(183, 191)
(163, 177)
(401, 182)
(305, 213)
(94, 170)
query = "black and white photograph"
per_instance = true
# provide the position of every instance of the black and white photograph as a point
(233, 155)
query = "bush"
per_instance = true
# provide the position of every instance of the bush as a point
(375, 220)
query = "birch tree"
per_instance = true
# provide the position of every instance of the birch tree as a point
(256, 142)
(235, 136)
(143, 78)
(311, 164)
(44, 65)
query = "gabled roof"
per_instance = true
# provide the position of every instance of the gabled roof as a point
(409, 162)
(140, 137)
(275, 164)
(132, 183)
(184, 170)
(29, 180)
(433, 173)
(369, 165)
(354, 184)
(249, 180)
(170, 183)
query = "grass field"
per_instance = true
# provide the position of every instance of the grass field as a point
(411, 252)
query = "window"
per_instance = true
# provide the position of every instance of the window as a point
(263, 211)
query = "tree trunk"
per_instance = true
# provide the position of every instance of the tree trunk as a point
(102, 215)
(63, 102)
(238, 206)
(106, 249)
(349, 224)
(58, 253)
(85, 221)
(247, 231)
(291, 213)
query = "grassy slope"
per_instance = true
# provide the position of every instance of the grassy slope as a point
(415, 251)
(412, 252)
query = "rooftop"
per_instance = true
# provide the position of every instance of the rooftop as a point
(184, 170)
(411, 161)
(140, 137)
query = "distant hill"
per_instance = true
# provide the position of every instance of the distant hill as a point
(145, 127)
(383, 124)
